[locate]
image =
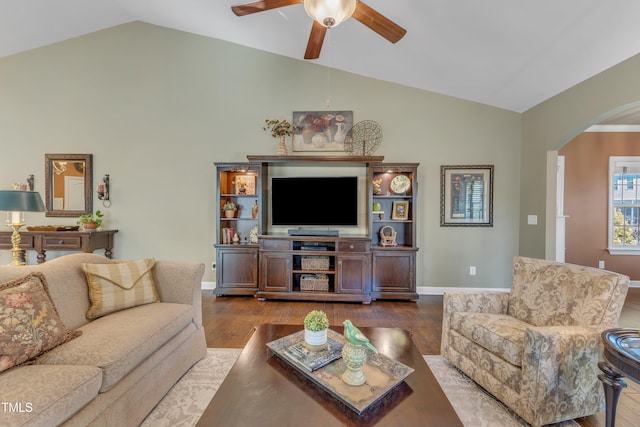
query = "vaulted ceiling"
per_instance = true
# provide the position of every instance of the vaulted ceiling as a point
(512, 54)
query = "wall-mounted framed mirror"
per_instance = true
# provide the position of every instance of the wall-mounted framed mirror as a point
(68, 184)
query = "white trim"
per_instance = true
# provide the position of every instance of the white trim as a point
(208, 285)
(618, 161)
(438, 290)
(613, 128)
(624, 251)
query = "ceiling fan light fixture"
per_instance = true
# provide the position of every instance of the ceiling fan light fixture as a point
(330, 13)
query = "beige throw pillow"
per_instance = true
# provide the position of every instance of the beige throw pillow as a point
(29, 322)
(114, 287)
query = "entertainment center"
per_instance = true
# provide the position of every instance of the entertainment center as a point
(257, 255)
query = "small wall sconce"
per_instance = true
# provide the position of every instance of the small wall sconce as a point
(103, 191)
(30, 182)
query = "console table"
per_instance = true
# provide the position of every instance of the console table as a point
(43, 241)
(621, 357)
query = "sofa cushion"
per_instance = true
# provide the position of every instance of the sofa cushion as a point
(46, 395)
(29, 322)
(114, 287)
(120, 341)
(501, 334)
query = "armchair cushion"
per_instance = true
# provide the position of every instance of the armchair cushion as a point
(501, 334)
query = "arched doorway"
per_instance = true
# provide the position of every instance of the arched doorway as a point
(589, 151)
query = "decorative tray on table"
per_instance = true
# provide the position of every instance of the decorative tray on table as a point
(383, 374)
(53, 227)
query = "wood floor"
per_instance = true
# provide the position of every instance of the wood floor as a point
(229, 322)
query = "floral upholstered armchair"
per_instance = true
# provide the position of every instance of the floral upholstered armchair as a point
(536, 348)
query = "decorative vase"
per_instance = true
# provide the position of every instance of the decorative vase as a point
(229, 214)
(236, 238)
(254, 210)
(340, 135)
(253, 234)
(315, 340)
(282, 147)
(319, 140)
(307, 133)
(89, 225)
(354, 357)
(329, 131)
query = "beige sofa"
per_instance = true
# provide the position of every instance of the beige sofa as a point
(536, 348)
(122, 364)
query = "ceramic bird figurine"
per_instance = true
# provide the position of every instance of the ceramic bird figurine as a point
(355, 337)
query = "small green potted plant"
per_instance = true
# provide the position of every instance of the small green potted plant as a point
(229, 209)
(90, 221)
(279, 129)
(316, 324)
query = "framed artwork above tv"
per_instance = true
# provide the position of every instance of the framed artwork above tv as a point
(321, 130)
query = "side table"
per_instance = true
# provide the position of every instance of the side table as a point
(621, 358)
(75, 241)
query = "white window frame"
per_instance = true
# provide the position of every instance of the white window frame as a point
(613, 248)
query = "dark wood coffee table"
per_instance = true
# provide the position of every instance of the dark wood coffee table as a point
(263, 390)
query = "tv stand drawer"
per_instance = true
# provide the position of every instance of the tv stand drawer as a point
(274, 245)
(353, 247)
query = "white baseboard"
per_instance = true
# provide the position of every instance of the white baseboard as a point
(208, 285)
(439, 290)
(435, 290)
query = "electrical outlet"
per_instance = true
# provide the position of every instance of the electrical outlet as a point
(213, 265)
(600, 264)
(472, 270)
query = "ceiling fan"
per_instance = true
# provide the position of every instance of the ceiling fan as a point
(327, 14)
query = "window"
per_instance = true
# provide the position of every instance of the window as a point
(624, 205)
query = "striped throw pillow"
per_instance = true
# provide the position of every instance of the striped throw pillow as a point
(114, 287)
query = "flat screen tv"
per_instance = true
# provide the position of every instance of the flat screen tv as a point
(314, 201)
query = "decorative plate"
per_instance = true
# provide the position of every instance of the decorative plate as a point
(400, 184)
(363, 138)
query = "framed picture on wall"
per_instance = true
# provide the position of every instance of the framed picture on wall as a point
(466, 196)
(321, 130)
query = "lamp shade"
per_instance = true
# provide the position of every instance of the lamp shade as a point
(21, 201)
(330, 13)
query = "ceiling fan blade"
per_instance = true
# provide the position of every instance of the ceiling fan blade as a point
(261, 6)
(316, 38)
(378, 22)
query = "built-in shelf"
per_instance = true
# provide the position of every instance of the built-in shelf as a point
(360, 268)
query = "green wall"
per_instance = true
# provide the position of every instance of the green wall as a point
(157, 107)
(553, 123)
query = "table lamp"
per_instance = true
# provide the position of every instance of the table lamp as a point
(16, 203)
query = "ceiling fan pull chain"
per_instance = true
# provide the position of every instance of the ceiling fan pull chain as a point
(328, 101)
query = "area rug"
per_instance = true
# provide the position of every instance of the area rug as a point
(475, 406)
(187, 400)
